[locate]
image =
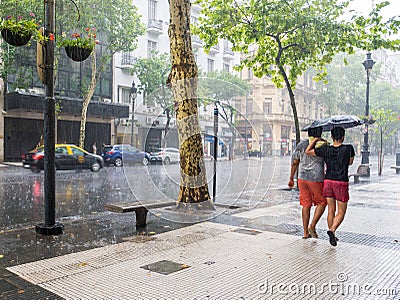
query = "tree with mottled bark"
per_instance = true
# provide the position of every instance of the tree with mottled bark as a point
(193, 192)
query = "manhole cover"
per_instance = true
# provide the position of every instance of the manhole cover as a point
(165, 267)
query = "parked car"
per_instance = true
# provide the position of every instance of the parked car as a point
(67, 157)
(254, 152)
(124, 153)
(164, 155)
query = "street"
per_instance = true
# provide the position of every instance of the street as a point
(243, 182)
(250, 194)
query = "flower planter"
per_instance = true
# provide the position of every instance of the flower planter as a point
(15, 39)
(77, 53)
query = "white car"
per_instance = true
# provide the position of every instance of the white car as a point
(165, 155)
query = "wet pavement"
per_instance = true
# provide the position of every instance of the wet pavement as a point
(260, 202)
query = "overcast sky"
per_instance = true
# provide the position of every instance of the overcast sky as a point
(364, 6)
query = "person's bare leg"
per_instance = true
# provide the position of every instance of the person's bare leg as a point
(319, 211)
(331, 211)
(305, 215)
(338, 219)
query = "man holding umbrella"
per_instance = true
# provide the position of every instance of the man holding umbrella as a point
(310, 182)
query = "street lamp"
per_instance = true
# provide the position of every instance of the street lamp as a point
(368, 64)
(133, 94)
(50, 226)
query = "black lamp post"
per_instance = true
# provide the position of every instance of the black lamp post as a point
(368, 64)
(50, 226)
(133, 98)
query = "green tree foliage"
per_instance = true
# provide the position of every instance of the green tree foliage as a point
(343, 89)
(117, 24)
(384, 128)
(282, 39)
(152, 73)
(344, 92)
(221, 88)
(118, 27)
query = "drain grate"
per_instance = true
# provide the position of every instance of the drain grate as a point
(165, 267)
(384, 242)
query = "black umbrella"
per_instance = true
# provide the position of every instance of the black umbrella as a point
(344, 121)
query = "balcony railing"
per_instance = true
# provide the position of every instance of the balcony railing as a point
(214, 49)
(127, 61)
(155, 26)
(228, 53)
(196, 41)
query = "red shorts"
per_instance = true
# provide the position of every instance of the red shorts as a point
(339, 190)
(311, 193)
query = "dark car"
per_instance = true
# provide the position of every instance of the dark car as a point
(254, 152)
(124, 153)
(67, 157)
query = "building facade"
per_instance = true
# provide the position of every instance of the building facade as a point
(149, 120)
(21, 121)
(266, 121)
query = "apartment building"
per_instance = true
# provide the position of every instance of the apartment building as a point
(266, 120)
(149, 121)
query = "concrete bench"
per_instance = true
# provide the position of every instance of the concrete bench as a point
(397, 169)
(140, 209)
(362, 170)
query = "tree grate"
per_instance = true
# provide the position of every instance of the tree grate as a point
(165, 267)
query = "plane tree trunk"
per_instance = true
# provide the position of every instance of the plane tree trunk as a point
(184, 81)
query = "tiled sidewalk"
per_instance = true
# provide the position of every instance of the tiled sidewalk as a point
(253, 254)
(217, 261)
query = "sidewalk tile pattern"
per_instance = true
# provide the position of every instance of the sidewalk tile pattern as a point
(247, 266)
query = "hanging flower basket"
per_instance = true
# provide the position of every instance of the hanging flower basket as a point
(18, 31)
(77, 53)
(15, 39)
(79, 46)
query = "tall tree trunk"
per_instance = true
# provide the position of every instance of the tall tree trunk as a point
(88, 96)
(233, 139)
(184, 81)
(292, 103)
(380, 155)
